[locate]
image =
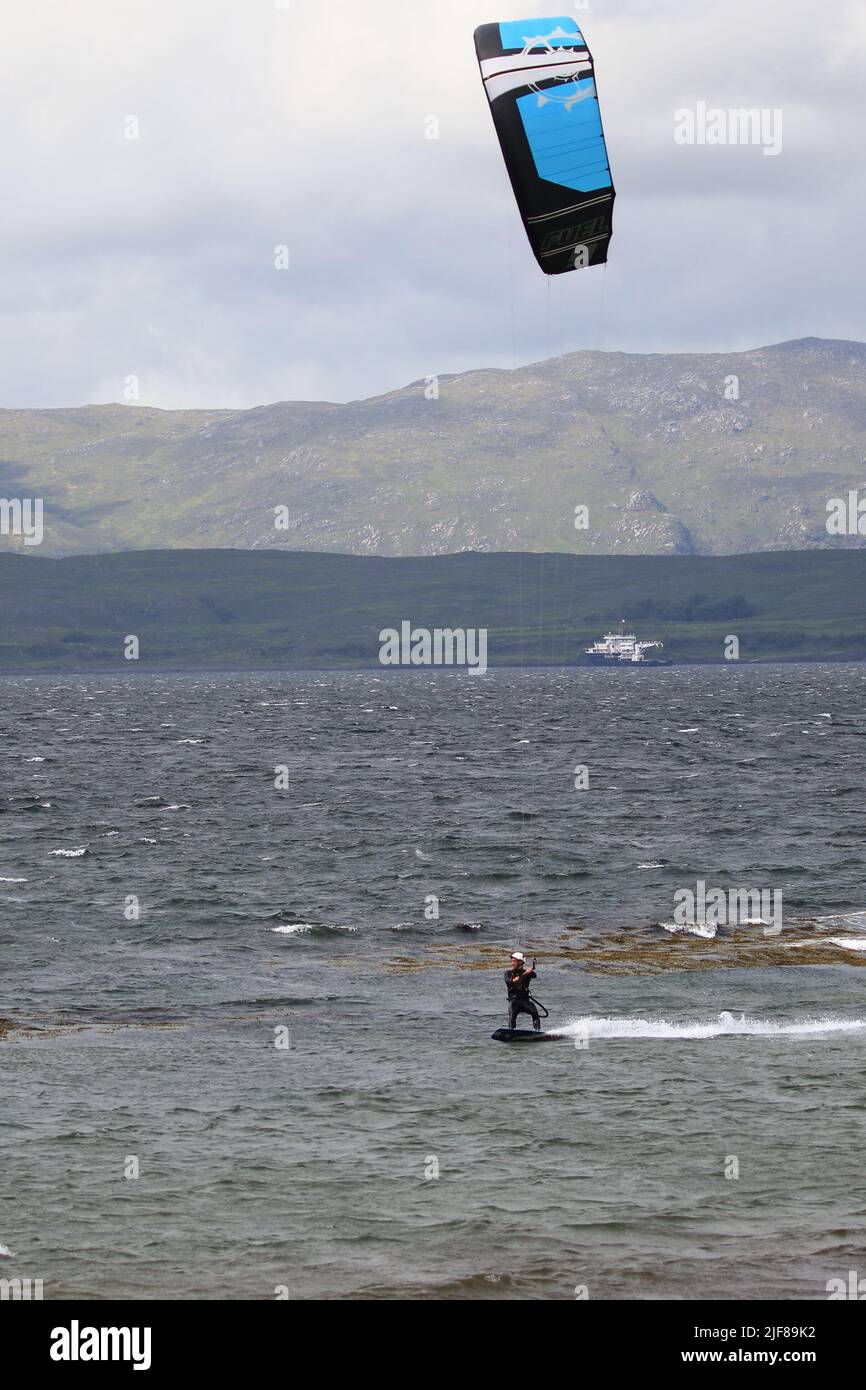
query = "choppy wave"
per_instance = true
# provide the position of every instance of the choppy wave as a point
(317, 928)
(857, 918)
(846, 943)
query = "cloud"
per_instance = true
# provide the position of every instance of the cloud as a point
(305, 126)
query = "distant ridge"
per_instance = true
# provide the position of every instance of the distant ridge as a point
(673, 454)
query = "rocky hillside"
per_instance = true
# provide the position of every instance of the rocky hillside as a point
(669, 454)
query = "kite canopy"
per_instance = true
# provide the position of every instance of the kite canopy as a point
(540, 82)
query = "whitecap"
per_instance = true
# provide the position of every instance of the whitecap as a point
(702, 929)
(69, 853)
(292, 928)
(844, 917)
(847, 943)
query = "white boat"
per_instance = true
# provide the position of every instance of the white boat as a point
(623, 649)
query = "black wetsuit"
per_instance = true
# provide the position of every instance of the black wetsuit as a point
(517, 983)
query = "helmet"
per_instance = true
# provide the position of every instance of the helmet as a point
(518, 955)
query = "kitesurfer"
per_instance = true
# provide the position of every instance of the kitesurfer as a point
(517, 982)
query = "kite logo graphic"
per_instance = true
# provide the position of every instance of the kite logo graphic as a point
(550, 46)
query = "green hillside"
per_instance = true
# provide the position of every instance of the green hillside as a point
(195, 609)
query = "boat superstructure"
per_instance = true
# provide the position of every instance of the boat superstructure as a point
(623, 649)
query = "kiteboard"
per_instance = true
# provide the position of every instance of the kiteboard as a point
(510, 1035)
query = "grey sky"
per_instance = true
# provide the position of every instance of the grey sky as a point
(305, 125)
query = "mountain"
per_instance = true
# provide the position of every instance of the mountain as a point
(199, 609)
(667, 461)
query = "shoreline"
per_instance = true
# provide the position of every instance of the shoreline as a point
(225, 668)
